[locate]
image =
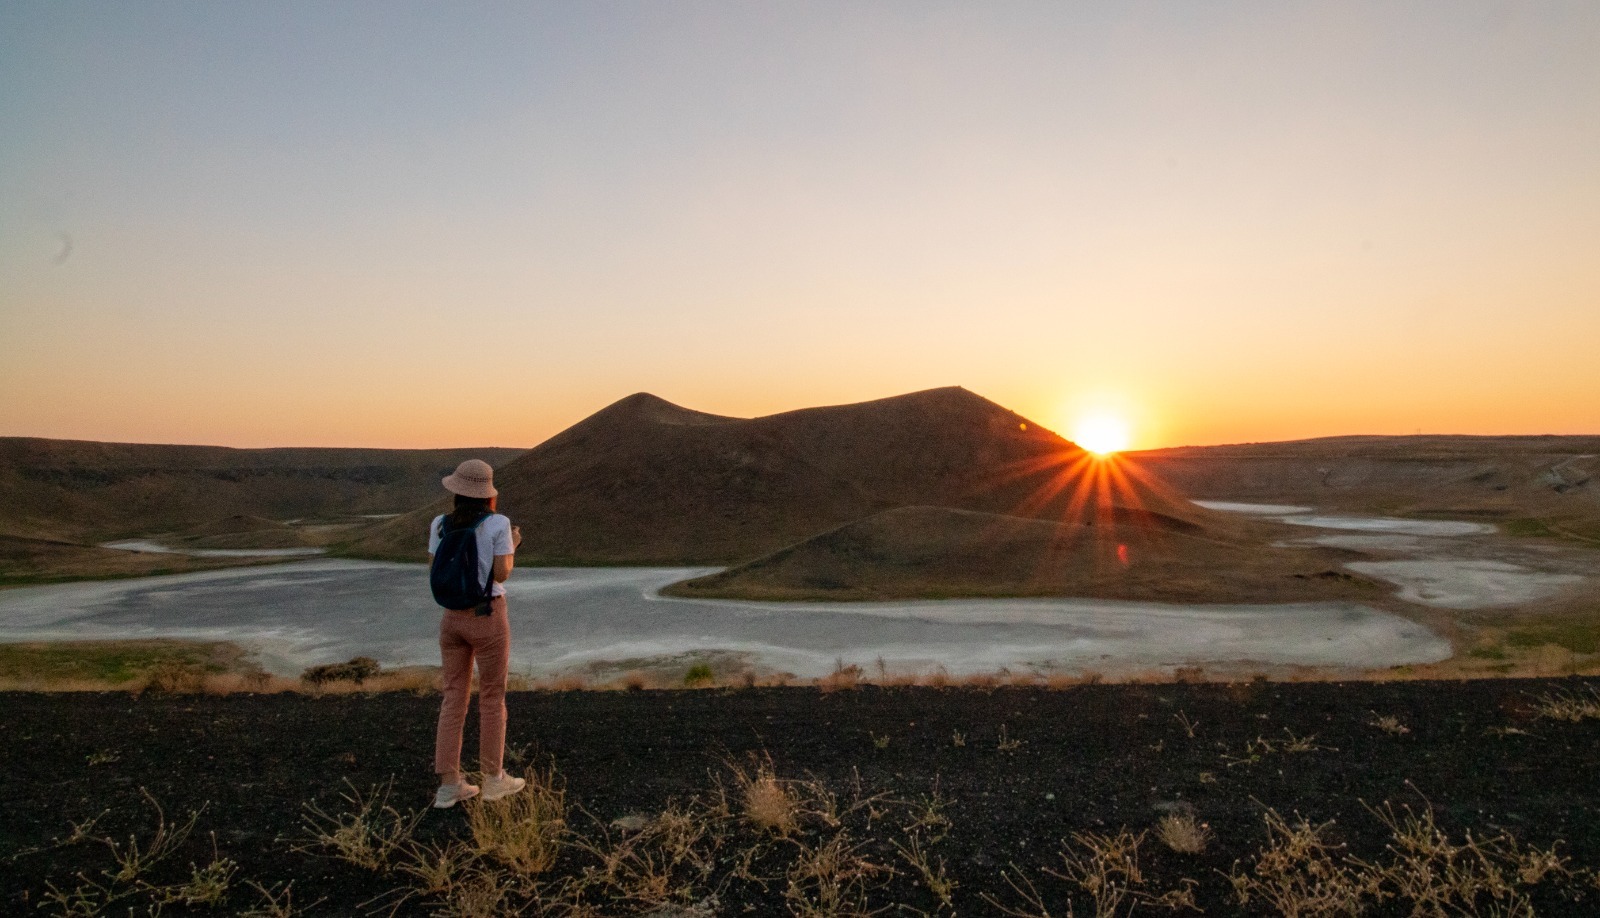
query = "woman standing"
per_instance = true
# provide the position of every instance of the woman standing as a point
(482, 632)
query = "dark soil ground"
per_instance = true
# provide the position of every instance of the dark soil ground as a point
(1087, 759)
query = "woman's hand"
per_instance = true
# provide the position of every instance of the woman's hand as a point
(516, 536)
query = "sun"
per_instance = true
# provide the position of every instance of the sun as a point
(1101, 434)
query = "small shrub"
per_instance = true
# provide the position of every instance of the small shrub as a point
(698, 675)
(842, 677)
(171, 677)
(357, 670)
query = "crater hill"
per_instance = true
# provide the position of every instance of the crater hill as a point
(940, 492)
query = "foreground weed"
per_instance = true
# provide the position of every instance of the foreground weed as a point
(277, 901)
(368, 831)
(435, 869)
(206, 885)
(524, 831)
(668, 862)
(930, 868)
(1106, 867)
(1301, 873)
(81, 832)
(1259, 748)
(1568, 706)
(479, 893)
(131, 879)
(135, 861)
(1189, 726)
(1388, 723)
(832, 879)
(1436, 873)
(928, 816)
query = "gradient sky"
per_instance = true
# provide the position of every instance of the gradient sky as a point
(387, 224)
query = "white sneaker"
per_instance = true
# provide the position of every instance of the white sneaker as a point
(502, 785)
(449, 795)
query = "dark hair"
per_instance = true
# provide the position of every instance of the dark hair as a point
(467, 510)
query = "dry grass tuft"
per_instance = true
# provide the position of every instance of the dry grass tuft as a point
(524, 831)
(1570, 707)
(1183, 833)
(767, 801)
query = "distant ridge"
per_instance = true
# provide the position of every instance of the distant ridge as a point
(86, 491)
(1539, 485)
(644, 481)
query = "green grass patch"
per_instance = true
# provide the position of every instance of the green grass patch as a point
(1528, 526)
(1580, 530)
(1488, 652)
(113, 662)
(1578, 637)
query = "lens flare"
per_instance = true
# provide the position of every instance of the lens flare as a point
(1101, 434)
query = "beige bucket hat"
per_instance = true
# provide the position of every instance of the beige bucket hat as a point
(473, 478)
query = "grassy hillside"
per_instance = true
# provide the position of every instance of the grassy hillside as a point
(919, 552)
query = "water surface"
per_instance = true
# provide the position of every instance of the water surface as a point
(302, 613)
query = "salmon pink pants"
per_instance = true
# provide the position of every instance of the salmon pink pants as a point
(464, 637)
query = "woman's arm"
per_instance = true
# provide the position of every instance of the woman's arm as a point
(503, 563)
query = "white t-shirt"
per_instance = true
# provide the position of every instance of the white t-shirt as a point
(494, 538)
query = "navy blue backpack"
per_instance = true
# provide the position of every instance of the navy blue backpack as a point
(454, 575)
